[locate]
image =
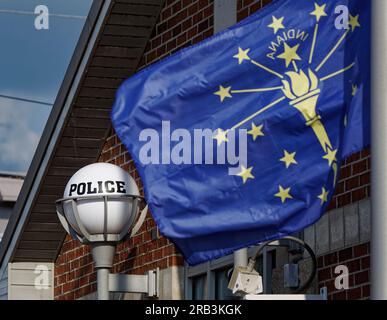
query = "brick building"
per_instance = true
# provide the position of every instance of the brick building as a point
(120, 37)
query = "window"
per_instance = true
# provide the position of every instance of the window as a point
(221, 285)
(199, 288)
(209, 281)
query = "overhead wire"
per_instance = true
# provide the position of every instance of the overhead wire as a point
(26, 100)
(58, 15)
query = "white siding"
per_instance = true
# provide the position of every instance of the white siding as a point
(10, 187)
(4, 286)
(30, 281)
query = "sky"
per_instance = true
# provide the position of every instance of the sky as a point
(32, 66)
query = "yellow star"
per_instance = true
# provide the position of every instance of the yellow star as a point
(289, 159)
(319, 11)
(221, 136)
(289, 54)
(245, 174)
(284, 194)
(331, 156)
(354, 22)
(277, 24)
(354, 90)
(323, 196)
(242, 55)
(223, 93)
(256, 131)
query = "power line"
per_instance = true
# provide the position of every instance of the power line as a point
(30, 13)
(26, 100)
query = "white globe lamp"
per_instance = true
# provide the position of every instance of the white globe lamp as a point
(100, 207)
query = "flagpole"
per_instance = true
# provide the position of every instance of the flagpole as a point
(379, 150)
(241, 258)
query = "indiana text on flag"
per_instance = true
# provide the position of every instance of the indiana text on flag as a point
(296, 81)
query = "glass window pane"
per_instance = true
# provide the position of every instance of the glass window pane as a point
(199, 287)
(221, 285)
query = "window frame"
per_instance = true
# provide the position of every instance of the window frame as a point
(209, 269)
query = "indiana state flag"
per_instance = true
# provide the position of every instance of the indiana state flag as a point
(287, 89)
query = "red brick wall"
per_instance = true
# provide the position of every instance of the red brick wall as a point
(353, 186)
(248, 7)
(181, 24)
(357, 259)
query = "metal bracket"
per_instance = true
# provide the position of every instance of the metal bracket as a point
(65, 224)
(133, 224)
(140, 221)
(148, 284)
(245, 281)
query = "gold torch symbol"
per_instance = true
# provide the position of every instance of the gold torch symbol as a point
(303, 93)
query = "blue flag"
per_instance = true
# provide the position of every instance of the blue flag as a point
(239, 139)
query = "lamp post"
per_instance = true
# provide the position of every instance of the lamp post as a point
(100, 207)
